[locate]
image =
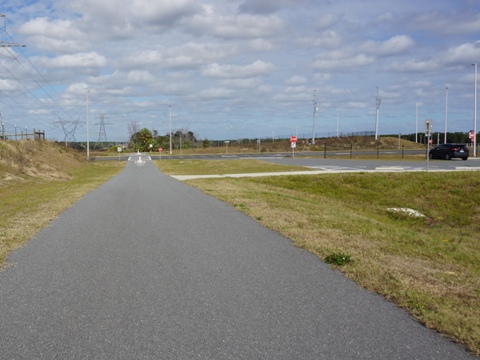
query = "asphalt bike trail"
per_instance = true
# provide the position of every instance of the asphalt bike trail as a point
(146, 267)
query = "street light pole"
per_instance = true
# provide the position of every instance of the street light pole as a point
(475, 115)
(88, 135)
(314, 111)
(377, 105)
(416, 125)
(446, 115)
(170, 108)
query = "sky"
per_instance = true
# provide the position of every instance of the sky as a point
(236, 69)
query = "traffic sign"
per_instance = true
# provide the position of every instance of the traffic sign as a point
(293, 139)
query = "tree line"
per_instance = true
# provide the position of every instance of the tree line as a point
(146, 140)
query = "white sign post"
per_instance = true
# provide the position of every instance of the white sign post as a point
(428, 132)
(293, 141)
(119, 149)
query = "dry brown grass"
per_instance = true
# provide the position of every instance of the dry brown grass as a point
(38, 180)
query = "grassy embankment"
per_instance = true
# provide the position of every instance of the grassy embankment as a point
(429, 266)
(38, 180)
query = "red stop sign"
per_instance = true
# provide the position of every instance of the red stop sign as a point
(293, 139)
(160, 149)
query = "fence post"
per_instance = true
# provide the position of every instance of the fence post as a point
(351, 150)
(325, 151)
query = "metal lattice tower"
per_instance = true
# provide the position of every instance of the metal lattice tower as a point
(102, 135)
(69, 127)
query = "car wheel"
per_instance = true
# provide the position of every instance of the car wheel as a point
(430, 156)
(465, 158)
(447, 157)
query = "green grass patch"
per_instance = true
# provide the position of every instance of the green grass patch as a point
(220, 167)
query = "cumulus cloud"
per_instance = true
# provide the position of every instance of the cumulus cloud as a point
(54, 35)
(329, 39)
(463, 54)
(415, 65)
(215, 93)
(121, 13)
(240, 26)
(395, 45)
(296, 80)
(241, 83)
(257, 68)
(79, 60)
(342, 61)
(449, 23)
(269, 52)
(265, 6)
(458, 56)
(327, 21)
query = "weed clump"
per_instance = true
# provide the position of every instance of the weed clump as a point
(338, 259)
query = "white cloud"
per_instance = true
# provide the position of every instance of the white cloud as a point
(296, 80)
(395, 45)
(241, 83)
(235, 27)
(54, 36)
(327, 21)
(342, 61)
(326, 39)
(215, 93)
(79, 60)
(449, 23)
(265, 6)
(463, 54)
(268, 55)
(257, 68)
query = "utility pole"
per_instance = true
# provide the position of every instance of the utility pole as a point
(378, 101)
(88, 131)
(446, 115)
(170, 110)
(475, 114)
(314, 112)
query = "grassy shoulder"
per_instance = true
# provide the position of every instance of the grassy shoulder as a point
(37, 182)
(429, 266)
(221, 167)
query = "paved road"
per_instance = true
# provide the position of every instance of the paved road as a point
(146, 267)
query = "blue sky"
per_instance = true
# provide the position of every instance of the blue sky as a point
(239, 69)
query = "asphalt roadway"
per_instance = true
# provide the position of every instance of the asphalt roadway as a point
(146, 267)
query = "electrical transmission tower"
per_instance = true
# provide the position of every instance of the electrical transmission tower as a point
(69, 128)
(102, 135)
(5, 44)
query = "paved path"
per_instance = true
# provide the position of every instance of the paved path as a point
(146, 267)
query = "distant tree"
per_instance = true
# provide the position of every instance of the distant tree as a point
(133, 128)
(142, 139)
(206, 143)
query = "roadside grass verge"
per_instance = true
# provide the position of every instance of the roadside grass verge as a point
(30, 203)
(429, 266)
(219, 167)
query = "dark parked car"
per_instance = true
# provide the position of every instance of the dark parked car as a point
(449, 151)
